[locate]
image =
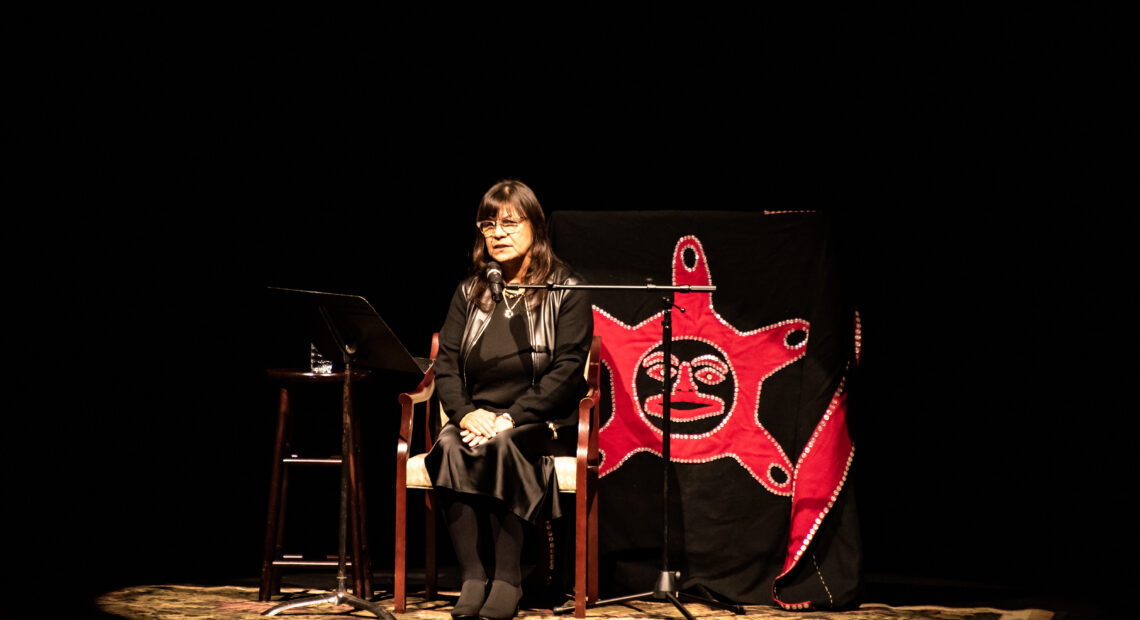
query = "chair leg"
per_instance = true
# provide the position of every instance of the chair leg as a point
(585, 547)
(399, 570)
(592, 542)
(581, 554)
(430, 570)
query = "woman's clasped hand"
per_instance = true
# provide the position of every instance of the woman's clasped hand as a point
(481, 426)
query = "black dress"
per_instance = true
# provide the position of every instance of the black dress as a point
(517, 465)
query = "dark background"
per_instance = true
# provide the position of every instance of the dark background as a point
(169, 163)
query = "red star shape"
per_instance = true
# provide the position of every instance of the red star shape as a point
(751, 358)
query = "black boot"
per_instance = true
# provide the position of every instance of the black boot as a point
(470, 599)
(502, 603)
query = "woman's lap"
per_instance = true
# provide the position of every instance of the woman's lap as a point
(513, 467)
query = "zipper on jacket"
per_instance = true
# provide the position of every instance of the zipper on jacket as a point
(530, 341)
(475, 341)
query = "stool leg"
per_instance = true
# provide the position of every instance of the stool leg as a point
(279, 551)
(362, 580)
(354, 544)
(364, 556)
(272, 548)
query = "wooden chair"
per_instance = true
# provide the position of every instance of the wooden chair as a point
(577, 474)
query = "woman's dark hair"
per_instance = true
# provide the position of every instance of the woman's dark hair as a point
(513, 197)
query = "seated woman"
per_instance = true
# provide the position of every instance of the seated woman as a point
(509, 374)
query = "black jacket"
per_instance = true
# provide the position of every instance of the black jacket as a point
(561, 329)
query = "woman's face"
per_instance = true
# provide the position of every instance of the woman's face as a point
(507, 247)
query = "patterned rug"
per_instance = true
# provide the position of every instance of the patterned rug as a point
(174, 602)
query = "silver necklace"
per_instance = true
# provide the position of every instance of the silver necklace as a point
(507, 297)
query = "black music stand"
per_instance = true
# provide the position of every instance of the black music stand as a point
(353, 327)
(666, 585)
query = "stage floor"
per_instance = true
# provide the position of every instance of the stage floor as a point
(234, 602)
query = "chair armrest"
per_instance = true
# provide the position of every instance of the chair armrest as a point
(588, 414)
(586, 454)
(408, 400)
(586, 427)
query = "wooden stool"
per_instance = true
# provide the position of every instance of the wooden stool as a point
(273, 558)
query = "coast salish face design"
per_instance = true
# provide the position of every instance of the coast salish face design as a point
(718, 376)
(704, 386)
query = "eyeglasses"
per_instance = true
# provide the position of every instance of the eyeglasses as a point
(487, 227)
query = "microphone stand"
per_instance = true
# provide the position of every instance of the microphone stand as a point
(666, 585)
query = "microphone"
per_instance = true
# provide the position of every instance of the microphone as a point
(495, 279)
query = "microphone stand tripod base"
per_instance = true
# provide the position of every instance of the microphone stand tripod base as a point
(336, 598)
(666, 589)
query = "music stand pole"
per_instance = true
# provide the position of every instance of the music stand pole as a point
(341, 596)
(666, 585)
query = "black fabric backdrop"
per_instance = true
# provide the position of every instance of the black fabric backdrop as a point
(726, 531)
